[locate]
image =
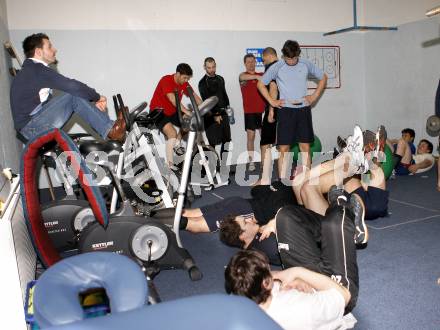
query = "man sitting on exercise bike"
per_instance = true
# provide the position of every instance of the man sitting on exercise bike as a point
(164, 98)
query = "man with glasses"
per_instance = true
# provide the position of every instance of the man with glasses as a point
(294, 116)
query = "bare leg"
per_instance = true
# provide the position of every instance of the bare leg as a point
(197, 225)
(196, 221)
(376, 179)
(266, 165)
(306, 158)
(312, 175)
(404, 151)
(282, 167)
(304, 174)
(352, 184)
(192, 213)
(171, 141)
(250, 144)
(313, 190)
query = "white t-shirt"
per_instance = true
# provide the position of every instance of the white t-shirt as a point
(293, 309)
(418, 158)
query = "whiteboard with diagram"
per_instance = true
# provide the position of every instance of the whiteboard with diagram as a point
(328, 59)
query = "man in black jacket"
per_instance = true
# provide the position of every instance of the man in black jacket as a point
(217, 125)
(34, 110)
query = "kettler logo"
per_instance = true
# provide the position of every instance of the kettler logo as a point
(103, 245)
(51, 224)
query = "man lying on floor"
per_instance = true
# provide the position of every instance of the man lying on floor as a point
(320, 279)
(367, 201)
(262, 207)
(406, 158)
(420, 162)
(267, 200)
(347, 172)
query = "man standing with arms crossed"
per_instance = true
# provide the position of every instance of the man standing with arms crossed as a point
(295, 116)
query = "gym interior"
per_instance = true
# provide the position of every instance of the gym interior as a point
(382, 63)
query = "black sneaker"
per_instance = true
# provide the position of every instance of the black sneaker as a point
(336, 195)
(361, 230)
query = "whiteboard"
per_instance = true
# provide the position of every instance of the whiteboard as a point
(328, 59)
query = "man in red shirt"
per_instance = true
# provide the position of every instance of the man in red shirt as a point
(164, 98)
(253, 103)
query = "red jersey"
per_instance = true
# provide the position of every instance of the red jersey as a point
(253, 101)
(160, 100)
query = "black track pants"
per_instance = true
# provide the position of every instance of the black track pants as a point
(321, 244)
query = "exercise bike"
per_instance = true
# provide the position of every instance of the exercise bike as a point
(141, 163)
(207, 159)
(149, 241)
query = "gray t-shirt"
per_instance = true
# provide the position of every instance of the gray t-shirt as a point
(292, 80)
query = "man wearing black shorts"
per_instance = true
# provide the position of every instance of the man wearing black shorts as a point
(269, 125)
(164, 98)
(253, 104)
(294, 118)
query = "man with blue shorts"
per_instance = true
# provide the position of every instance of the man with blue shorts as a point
(294, 117)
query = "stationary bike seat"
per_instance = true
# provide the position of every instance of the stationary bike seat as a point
(151, 118)
(136, 111)
(88, 146)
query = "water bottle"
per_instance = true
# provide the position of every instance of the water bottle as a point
(230, 113)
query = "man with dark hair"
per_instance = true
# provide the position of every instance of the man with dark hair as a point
(405, 160)
(34, 110)
(218, 130)
(294, 117)
(253, 104)
(423, 160)
(319, 283)
(164, 98)
(263, 205)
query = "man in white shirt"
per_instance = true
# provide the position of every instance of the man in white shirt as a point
(322, 283)
(296, 298)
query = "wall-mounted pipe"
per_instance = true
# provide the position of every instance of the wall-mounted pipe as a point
(356, 27)
(433, 11)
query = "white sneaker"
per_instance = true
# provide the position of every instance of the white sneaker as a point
(355, 146)
(251, 166)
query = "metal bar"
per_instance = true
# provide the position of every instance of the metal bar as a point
(183, 185)
(339, 31)
(354, 14)
(380, 28)
(362, 28)
(433, 11)
(356, 27)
